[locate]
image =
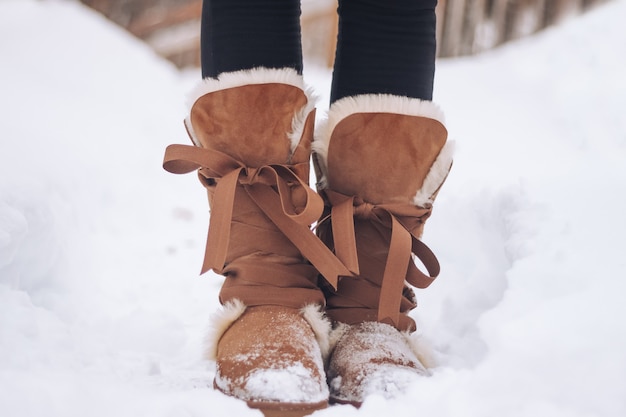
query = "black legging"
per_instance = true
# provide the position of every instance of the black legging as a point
(383, 46)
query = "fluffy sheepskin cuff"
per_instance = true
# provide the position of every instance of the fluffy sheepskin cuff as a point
(422, 349)
(254, 76)
(220, 322)
(321, 326)
(232, 310)
(385, 103)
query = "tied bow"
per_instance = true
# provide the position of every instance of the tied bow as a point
(406, 223)
(272, 188)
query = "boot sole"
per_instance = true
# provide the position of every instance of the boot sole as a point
(355, 404)
(275, 409)
(281, 409)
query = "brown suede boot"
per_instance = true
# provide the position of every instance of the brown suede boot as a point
(252, 132)
(381, 161)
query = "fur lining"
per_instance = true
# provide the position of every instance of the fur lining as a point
(232, 310)
(385, 103)
(313, 314)
(220, 322)
(371, 103)
(339, 329)
(258, 75)
(319, 147)
(436, 176)
(422, 349)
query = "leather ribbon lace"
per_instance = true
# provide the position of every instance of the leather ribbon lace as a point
(273, 189)
(406, 223)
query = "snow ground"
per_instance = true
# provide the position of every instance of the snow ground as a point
(101, 309)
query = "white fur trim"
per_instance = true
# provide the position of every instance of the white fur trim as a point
(320, 148)
(337, 333)
(371, 103)
(313, 314)
(436, 176)
(385, 103)
(258, 75)
(232, 310)
(422, 349)
(220, 322)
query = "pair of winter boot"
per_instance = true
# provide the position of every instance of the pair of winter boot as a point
(308, 318)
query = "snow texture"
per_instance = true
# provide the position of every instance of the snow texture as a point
(293, 383)
(283, 378)
(368, 349)
(102, 312)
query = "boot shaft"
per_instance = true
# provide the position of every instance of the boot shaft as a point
(252, 133)
(382, 161)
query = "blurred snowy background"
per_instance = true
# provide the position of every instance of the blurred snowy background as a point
(101, 309)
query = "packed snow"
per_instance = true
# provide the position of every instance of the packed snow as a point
(102, 312)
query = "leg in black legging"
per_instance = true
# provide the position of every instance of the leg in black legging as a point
(244, 34)
(385, 47)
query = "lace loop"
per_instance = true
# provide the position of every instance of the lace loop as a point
(277, 191)
(406, 224)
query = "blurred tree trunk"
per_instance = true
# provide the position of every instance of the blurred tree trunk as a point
(464, 27)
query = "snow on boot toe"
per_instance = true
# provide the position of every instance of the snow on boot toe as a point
(270, 356)
(293, 384)
(372, 358)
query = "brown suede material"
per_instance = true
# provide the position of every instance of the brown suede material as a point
(261, 204)
(262, 265)
(383, 157)
(368, 359)
(267, 339)
(376, 164)
(249, 123)
(260, 240)
(358, 300)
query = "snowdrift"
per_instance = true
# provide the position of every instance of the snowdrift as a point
(101, 309)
